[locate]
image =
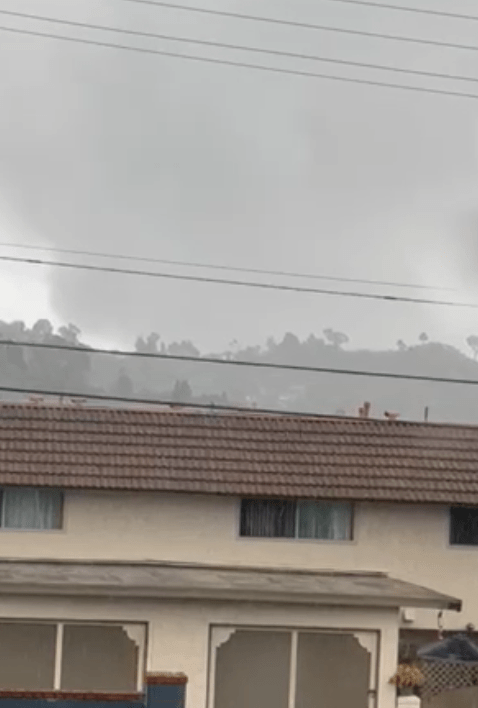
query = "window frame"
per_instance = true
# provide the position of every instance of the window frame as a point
(454, 544)
(370, 639)
(59, 625)
(296, 539)
(9, 529)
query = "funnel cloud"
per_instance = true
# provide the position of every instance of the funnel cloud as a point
(114, 151)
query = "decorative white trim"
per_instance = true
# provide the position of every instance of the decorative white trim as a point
(58, 656)
(220, 636)
(293, 668)
(368, 641)
(135, 632)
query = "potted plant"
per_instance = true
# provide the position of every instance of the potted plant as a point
(407, 678)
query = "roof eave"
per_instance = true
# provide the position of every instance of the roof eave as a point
(207, 582)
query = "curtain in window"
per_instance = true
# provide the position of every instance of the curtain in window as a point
(324, 520)
(464, 526)
(24, 508)
(267, 518)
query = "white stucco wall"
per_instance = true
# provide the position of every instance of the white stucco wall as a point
(408, 541)
(179, 631)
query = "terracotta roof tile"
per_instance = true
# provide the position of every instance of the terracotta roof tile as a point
(240, 454)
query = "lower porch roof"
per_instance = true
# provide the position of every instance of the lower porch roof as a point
(214, 582)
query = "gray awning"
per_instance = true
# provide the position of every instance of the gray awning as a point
(457, 649)
(195, 581)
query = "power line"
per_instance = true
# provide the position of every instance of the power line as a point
(405, 8)
(239, 362)
(359, 3)
(310, 25)
(242, 65)
(238, 283)
(246, 48)
(210, 407)
(364, 3)
(216, 266)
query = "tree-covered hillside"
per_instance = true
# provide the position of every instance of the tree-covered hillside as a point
(83, 372)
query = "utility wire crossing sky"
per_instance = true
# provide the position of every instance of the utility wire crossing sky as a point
(238, 283)
(237, 362)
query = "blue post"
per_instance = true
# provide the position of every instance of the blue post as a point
(166, 690)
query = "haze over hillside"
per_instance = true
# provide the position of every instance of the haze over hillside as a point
(184, 382)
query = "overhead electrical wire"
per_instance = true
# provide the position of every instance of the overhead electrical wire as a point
(311, 25)
(242, 65)
(245, 48)
(237, 362)
(358, 3)
(238, 283)
(407, 8)
(217, 266)
(210, 407)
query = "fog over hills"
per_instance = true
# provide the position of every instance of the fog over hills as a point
(86, 372)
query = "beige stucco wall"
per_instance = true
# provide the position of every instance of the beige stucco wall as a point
(179, 631)
(408, 541)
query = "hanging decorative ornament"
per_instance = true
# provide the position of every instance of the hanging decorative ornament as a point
(440, 625)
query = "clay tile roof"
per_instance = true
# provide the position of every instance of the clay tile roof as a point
(241, 454)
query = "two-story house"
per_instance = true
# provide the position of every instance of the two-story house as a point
(271, 559)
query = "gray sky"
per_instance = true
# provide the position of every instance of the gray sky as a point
(115, 151)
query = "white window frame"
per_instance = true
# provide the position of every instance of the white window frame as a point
(450, 527)
(58, 658)
(296, 536)
(369, 639)
(25, 529)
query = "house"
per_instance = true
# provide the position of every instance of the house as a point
(267, 560)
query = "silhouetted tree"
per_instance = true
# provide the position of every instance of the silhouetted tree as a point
(123, 385)
(70, 334)
(148, 345)
(82, 371)
(182, 392)
(184, 348)
(336, 339)
(15, 331)
(42, 330)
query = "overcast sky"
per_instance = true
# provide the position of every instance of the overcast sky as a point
(114, 151)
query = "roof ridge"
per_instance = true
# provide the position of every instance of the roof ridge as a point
(237, 454)
(247, 414)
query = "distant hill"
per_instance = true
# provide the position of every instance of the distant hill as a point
(86, 372)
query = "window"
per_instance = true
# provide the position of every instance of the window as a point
(464, 526)
(72, 657)
(260, 668)
(102, 657)
(25, 508)
(274, 518)
(27, 655)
